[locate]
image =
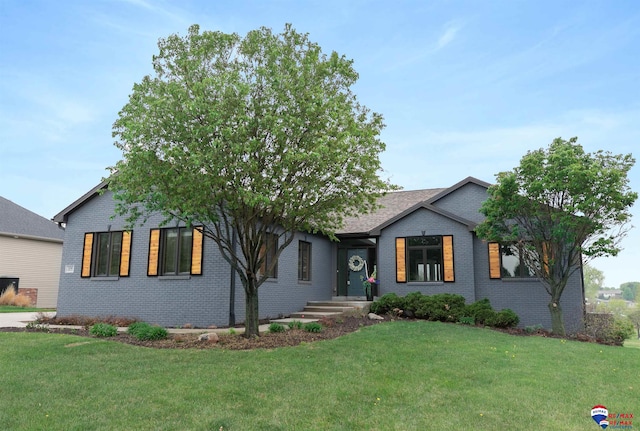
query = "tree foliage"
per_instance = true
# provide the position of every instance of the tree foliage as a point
(248, 136)
(630, 290)
(563, 205)
(593, 281)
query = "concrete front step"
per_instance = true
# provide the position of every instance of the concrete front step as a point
(314, 314)
(323, 308)
(341, 303)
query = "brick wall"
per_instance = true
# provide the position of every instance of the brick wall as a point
(30, 293)
(173, 301)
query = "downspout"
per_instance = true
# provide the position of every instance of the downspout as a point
(232, 287)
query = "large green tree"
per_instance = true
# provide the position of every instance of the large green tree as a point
(249, 137)
(564, 206)
(630, 290)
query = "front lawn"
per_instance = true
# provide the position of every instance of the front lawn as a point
(392, 376)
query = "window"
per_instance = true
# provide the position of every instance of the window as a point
(271, 247)
(175, 251)
(106, 254)
(425, 258)
(304, 261)
(513, 264)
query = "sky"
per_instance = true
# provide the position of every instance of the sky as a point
(466, 88)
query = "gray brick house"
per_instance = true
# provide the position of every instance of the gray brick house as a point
(420, 240)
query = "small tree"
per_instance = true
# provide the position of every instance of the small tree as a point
(563, 206)
(253, 138)
(593, 281)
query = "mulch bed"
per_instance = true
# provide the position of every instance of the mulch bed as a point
(331, 328)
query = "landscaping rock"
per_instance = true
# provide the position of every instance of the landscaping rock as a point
(210, 337)
(374, 316)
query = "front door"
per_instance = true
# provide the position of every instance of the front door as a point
(356, 266)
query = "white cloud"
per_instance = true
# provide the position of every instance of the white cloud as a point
(451, 29)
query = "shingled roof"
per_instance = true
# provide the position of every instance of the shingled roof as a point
(18, 221)
(392, 205)
(396, 205)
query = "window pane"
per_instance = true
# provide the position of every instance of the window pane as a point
(186, 243)
(433, 268)
(116, 248)
(510, 260)
(416, 265)
(424, 241)
(272, 248)
(102, 257)
(304, 261)
(170, 250)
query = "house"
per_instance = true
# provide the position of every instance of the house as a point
(420, 240)
(30, 253)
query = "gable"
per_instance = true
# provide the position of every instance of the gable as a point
(464, 201)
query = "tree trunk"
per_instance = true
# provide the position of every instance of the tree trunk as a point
(252, 317)
(557, 321)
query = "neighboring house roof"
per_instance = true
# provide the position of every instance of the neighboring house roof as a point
(397, 205)
(20, 222)
(62, 216)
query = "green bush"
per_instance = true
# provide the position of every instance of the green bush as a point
(443, 307)
(387, 303)
(145, 331)
(467, 321)
(485, 317)
(505, 318)
(103, 330)
(622, 329)
(313, 327)
(478, 310)
(295, 324)
(276, 327)
(412, 302)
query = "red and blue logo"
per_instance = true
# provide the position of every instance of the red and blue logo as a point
(600, 414)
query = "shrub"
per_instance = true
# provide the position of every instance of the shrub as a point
(473, 309)
(485, 317)
(386, 303)
(103, 330)
(144, 331)
(505, 318)
(295, 324)
(137, 327)
(313, 327)
(412, 302)
(467, 321)
(443, 307)
(10, 297)
(532, 329)
(276, 327)
(622, 329)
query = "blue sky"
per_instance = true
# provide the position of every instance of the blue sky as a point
(465, 87)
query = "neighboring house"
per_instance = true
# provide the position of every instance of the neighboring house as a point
(419, 240)
(30, 253)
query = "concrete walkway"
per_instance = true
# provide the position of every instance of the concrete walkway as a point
(20, 320)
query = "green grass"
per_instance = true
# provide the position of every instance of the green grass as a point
(392, 376)
(14, 309)
(632, 342)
